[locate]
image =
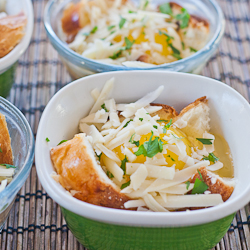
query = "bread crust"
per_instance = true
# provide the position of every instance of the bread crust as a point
(79, 173)
(216, 186)
(12, 31)
(5, 143)
(166, 113)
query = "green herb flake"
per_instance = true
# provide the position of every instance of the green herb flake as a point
(127, 123)
(167, 35)
(110, 175)
(141, 119)
(171, 158)
(211, 157)
(104, 107)
(183, 18)
(131, 11)
(98, 156)
(137, 143)
(162, 120)
(125, 184)
(205, 141)
(122, 22)
(116, 54)
(146, 4)
(61, 142)
(93, 31)
(150, 148)
(199, 185)
(128, 43)
(175, 51)
(166, 9)
(112, 32)
(123, 164)
(187, 184)
(193, 50)
(155, 126)
(8, 165)
(167, 126)
(178, 57)
(183, 45)
(111, 27)
(176, 137)
(47, 140)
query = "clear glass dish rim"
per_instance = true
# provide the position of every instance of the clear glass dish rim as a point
(80, 60)
(30, 154)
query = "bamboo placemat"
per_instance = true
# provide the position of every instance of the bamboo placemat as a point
(35, 221)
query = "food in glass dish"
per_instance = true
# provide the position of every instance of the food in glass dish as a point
(122, 33)
(11, 30)
(145, 156)
(6, 159)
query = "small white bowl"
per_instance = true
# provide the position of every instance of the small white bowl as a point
(230, 116)
(14, 7)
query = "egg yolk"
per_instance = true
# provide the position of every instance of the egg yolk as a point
(170, 157)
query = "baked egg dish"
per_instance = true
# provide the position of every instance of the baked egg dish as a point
(121, 32)
(145, 156)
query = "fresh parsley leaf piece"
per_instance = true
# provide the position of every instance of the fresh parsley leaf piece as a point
(183, 18)
(167, 35)
(199, 185)
(146, 4)
(8, 165)
(122, 22)
(111, 27)
(176, 137)
(171, 158)
(131, 11)
(98, 156)
(162, 120)
(150, 148)
(128, 43)
(93, 31)
(155, 126)
(110, 175)
(175, 51)
(211, 157)
(127, 123)
(112, 32)
(2, 150)
(183, 45)
(166, 9)
(141, 119)
(104, 107)
(167, 126)
(137, 143)
(61, 142)
(123, 164)
(178, 57)
(125, 184)
(205, 141)
(187, 184)
(193, 50)
(47, 140)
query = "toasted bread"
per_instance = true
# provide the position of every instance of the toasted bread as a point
(79, 172)
(12, 31)
(215, 185)
(5, 143)
(166, 113)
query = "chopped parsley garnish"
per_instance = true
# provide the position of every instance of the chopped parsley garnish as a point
(125, 184)
(61, 142)
(131, 11)
(122, 22)
(176, 137)
(146, 4)
(183, 45)
(167, 35)
(128, 43)
(171, 158)
(8, 165)
(137, 143)
(166, 9)
(141, 119)
(211, 157)
(199, 185)
(167, 126)
(187, 184)
(93, 31)
(47, 140)
(183, 18)
(150, 148)
(205, 141)
(2, 150)
(98, 156)
(127, 123)
(155, 126)
(110, 175)
(192, 49)
(177, 56)
(104, 107)
(123, 164)
(112, 32)
(111, 27)
(116, 54)
(175, 51)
